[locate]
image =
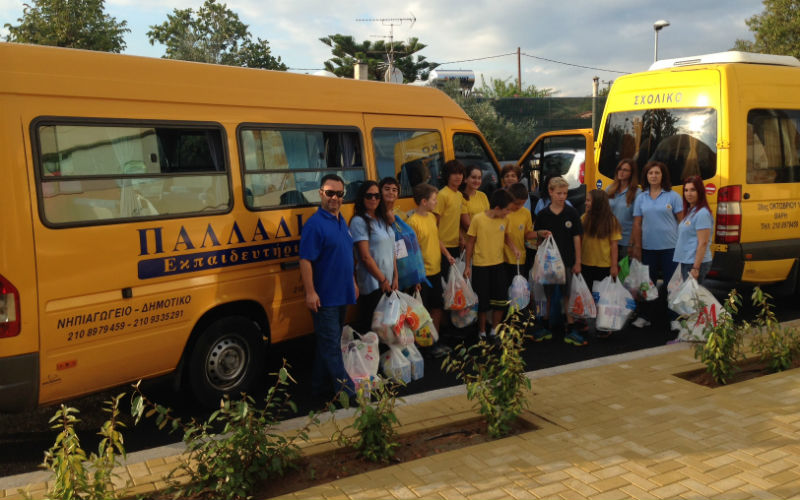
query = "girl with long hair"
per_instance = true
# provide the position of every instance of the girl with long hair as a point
(599, 244)
(475, 201)
(622, 194)
(692, 250)
(373, 236)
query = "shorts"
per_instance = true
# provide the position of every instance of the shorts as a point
(489, 282)
(433, 296)
(593, 273)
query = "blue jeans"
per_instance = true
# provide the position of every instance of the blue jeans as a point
(658, 260)
(328, 372)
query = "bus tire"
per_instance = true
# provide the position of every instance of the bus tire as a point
(228, 358)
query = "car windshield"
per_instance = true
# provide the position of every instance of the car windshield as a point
(557, 163)
(683, 139)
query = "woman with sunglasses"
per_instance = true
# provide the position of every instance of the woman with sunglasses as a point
(373, 236)
(622, 194)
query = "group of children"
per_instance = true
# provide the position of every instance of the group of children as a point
(494, 243)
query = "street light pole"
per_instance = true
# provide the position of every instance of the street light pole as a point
(661, 23)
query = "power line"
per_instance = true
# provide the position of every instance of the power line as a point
(576, 65)
(477, 59)
(504, 55)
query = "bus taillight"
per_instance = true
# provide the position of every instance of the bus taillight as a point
(729, 214)
(9, 309)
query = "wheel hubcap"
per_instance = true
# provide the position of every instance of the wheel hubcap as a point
(226, 362)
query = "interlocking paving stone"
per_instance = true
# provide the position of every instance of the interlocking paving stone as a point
(624, 430)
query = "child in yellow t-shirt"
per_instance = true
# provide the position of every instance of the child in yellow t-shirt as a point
(423, 222)
(520, 229)
(601, 236)
(448, 210)
(486, 237)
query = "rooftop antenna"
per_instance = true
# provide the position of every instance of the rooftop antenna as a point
(391, 75)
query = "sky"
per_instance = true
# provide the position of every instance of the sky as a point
(611, 36)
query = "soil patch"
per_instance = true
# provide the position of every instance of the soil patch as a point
(329, 466)
(749, 369)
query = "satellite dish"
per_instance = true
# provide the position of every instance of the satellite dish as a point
(393, 76)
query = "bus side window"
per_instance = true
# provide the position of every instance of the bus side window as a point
(103, 172)
(411, 156)
(283, 167)
(773, 146)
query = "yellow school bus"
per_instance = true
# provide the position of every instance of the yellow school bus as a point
(152, 210)
(734, 119)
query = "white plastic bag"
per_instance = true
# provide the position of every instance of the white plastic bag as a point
(395, 364)
(674, 283)
(614, 306)
(415, 314)
(417, 362)
(464, 317)
(698, 308)
(458, 293)
(638, 282)
(519, 293)
(360, 356)
(581, 303)
(389, 319)
(548, 268)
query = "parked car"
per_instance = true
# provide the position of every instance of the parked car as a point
(568, 163)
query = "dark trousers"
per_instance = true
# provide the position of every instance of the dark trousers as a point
(328, 372)
(660, 264)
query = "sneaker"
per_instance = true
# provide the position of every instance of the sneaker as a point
(640, 322)
(492, 333)
(575, 338)
(675, 325)
(542, 334)
(440, 351)
(481, 335)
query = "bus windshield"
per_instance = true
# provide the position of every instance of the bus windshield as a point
(683, 139)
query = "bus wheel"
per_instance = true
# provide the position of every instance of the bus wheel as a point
(228, 358)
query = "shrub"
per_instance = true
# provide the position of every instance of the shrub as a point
(373, 434)
(494, 373)
(75, 477)
(723, 346)
(775, 345)
(247, 450)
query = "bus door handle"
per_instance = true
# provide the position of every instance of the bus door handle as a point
(292, 264)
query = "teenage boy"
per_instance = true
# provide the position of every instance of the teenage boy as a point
(423, 222)
(520, 229)
(326, 268)
(486, 236)
(564, 224)
(448, 210)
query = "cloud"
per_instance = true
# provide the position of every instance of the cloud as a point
(611, 34)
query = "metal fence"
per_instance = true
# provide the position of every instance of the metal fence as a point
(550, 113)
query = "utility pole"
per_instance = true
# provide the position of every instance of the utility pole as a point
(519, 72)
(391, 22)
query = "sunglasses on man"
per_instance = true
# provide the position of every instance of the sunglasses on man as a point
(330, 193)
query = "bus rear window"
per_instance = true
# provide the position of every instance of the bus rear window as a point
(90, 173)
(683, 139)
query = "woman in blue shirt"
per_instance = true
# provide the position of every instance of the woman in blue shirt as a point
(656, 214)
(622, 194)
(692, 250)
(373, 236)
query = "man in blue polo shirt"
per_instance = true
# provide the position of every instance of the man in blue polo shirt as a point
(326, 266)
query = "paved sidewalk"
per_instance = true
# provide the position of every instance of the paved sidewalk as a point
(618, 427)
